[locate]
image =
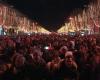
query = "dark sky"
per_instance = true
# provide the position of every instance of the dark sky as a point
(51, 14)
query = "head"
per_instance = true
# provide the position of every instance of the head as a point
(19, 61)
(31, 50)
(63, 49)
(1, 49)
(37, 54)
(3, 67)
(83, 49)
(55, 54)
(69, 57)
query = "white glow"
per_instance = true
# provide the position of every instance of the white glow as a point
(46, 47)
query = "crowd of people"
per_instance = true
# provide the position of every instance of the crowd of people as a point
(49, 57)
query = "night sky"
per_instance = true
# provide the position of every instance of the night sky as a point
(51, 14)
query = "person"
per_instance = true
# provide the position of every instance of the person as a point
(5, 73)
(18, 67)
(53, 67)
(1, 50)
(68, 69)
(95, 65)
(82, 58)
(39, 65)
(62, 51)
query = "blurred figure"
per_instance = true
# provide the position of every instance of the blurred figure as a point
(39, 66)
(54, 66)
(1, 50)
(62, 51)
(18, 67)
(95, 66)
(5, 73)
(68, 67)
(82, 58)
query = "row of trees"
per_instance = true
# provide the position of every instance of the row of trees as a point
(86, 19)
(11, 18)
